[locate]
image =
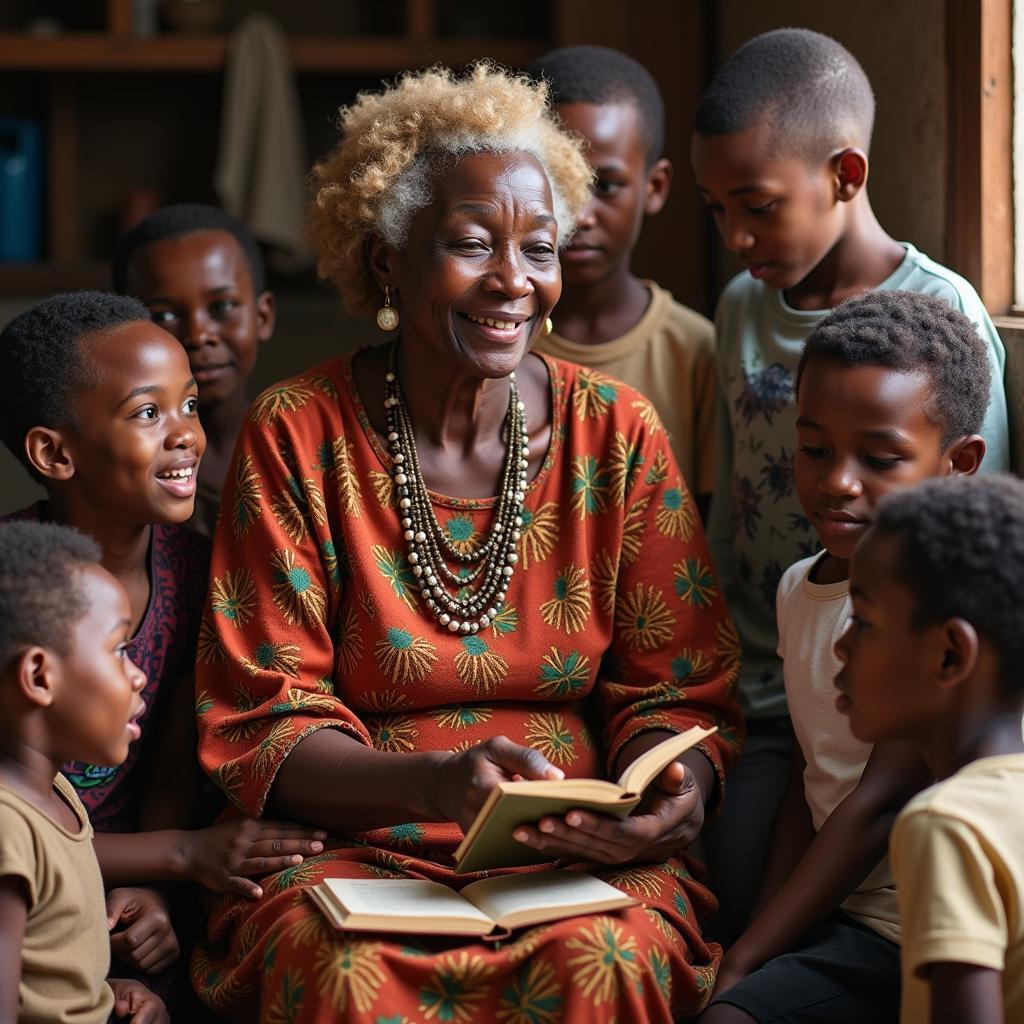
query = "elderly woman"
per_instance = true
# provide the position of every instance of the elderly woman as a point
(444, 562)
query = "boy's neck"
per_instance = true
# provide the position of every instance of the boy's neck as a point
(29, 772)
(221, 423)
(124, 547)
(989, 732)
(864, 256)
(593, 314)
(829, 569)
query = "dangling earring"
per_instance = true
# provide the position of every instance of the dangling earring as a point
(548, 326)
(387, 315)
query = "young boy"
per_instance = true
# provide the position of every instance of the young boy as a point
(933, 656)
(892, 389)
(67, 690)
(607, 318)
(780, 157)
(100, 405)
(201, 276)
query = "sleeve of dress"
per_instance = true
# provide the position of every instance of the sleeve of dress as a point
(266, 654)
(674, 654)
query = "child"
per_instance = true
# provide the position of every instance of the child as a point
(607, 318)
(892, 388)
(201, 276)
(68, 689)
(100, 406)
(780, 156)
(933, 656)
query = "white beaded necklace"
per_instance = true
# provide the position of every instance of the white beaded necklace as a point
(429, 549)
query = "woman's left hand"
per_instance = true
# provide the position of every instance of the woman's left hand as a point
(668, 819)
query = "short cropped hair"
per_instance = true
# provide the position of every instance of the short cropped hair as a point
(961, 541)
(600, 75)
(185, 219)
(910, 332)
(41, 362)
(808, 87)
(41, 594)
(393, 142)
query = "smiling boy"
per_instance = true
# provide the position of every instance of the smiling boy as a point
(201, 275)
(780, 155)
(607, 318)
(891, 390)
(932, 656)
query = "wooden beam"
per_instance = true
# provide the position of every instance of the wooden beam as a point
(979, 176)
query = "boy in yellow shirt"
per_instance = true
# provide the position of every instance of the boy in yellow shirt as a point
(608, 319)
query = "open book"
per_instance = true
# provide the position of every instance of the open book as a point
(489, 843)
(491, 907)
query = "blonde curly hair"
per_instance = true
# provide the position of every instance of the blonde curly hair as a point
(381, 171)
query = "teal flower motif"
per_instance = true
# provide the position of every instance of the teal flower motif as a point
(409, 834)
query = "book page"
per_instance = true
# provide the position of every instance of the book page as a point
(510, 900)
(412, 898)
(639, 775)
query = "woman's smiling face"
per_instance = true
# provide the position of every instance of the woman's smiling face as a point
(480, 270)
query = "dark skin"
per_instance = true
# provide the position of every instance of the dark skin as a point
(484, 248)
(112, 475)
(804, 226)
(949, 704)
(602, 299)
(199, 288)
(59, 707)
(862, 432)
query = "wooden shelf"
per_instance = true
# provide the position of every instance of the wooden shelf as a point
(44, 278)
(98, 52)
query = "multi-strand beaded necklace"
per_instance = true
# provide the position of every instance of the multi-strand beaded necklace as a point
(493, 561)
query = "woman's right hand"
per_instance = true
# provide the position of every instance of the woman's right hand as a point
(221, 856)
(465, 779)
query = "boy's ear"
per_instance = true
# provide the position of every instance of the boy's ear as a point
(959, 654)
(659, 184)
(383, 264)
(36, 674)
(48, 453)
(266, 315)
(965, 455)
(851, 173)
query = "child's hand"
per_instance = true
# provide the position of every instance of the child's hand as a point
(222, 855)
(135, 1003)
(140, 926)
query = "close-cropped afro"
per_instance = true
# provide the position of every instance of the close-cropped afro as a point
(185, 219)
(961, 555)
(41, 362)
(805, 85)
(40, 593)
(910, 332)
(381, 171)
(600, 75)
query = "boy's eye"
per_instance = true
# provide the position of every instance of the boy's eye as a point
(882, 461)
(163, 316)
(759, 211)
(222, 307)
(606, 188)
(857, 622)
(813, 451)
(149, 412)
(191, 405)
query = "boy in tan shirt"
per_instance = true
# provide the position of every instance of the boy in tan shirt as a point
(607, 318)
(67, 691)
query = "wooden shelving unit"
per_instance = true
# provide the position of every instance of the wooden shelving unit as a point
(87, 87)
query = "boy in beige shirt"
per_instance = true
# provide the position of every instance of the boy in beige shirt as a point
(67, 691)
(608, 319)
(933, 655)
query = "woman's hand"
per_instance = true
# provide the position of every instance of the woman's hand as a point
(136, 1004)
(465, 779)
(221, 857)
(668, 819)
(140, 929)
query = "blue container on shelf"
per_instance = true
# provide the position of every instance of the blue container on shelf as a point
(21, 190)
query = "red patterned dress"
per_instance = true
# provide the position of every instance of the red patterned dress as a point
(614, 624)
